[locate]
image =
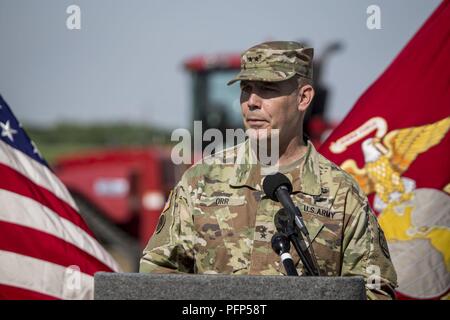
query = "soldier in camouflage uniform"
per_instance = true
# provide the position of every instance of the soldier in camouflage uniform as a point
(218, 219)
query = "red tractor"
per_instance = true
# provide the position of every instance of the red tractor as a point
(120, 193)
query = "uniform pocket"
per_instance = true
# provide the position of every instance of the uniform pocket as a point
(217, 221)
(223, 210)
(313, 224)
(326, 239)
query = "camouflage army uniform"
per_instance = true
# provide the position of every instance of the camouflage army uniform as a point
(218, 219)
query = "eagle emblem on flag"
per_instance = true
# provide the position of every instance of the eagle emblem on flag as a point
(414, 220)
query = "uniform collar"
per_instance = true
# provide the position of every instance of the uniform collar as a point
(305, 178)
(247, 170)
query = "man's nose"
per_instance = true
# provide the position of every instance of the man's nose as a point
(254, 101)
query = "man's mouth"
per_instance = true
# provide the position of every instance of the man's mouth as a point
(256, 122)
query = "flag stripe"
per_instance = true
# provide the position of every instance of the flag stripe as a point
(46, 249)
(40, 175)
(15, 182)
(15, 293)
(40, 245)
(29, 213)
(43, 277)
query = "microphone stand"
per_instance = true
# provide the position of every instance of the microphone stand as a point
(302, 227)
(297, 238)
(300, 247)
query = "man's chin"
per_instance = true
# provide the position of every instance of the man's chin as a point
(262, 134)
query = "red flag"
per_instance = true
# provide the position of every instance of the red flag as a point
(395, 142)
(46, 249)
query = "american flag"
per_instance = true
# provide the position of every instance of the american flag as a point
(46, 249)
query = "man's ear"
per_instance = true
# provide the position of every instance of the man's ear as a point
(305, 96)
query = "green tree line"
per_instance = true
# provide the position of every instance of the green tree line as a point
(69, 138)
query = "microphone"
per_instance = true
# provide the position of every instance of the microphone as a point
(281, 245)
(278, 188)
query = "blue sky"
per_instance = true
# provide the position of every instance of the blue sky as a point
(125, 64)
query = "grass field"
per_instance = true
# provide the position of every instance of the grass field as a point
(52, 151)
(68, 138)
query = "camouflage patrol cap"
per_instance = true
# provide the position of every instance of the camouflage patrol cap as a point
(275, 61)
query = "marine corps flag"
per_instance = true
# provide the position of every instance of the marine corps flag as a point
(396, 143)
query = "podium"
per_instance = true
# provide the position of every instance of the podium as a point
(139, 286)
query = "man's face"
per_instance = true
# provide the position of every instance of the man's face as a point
(270, 105)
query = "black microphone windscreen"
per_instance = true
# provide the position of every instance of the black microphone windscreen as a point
(282, 221)
(273, 182)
